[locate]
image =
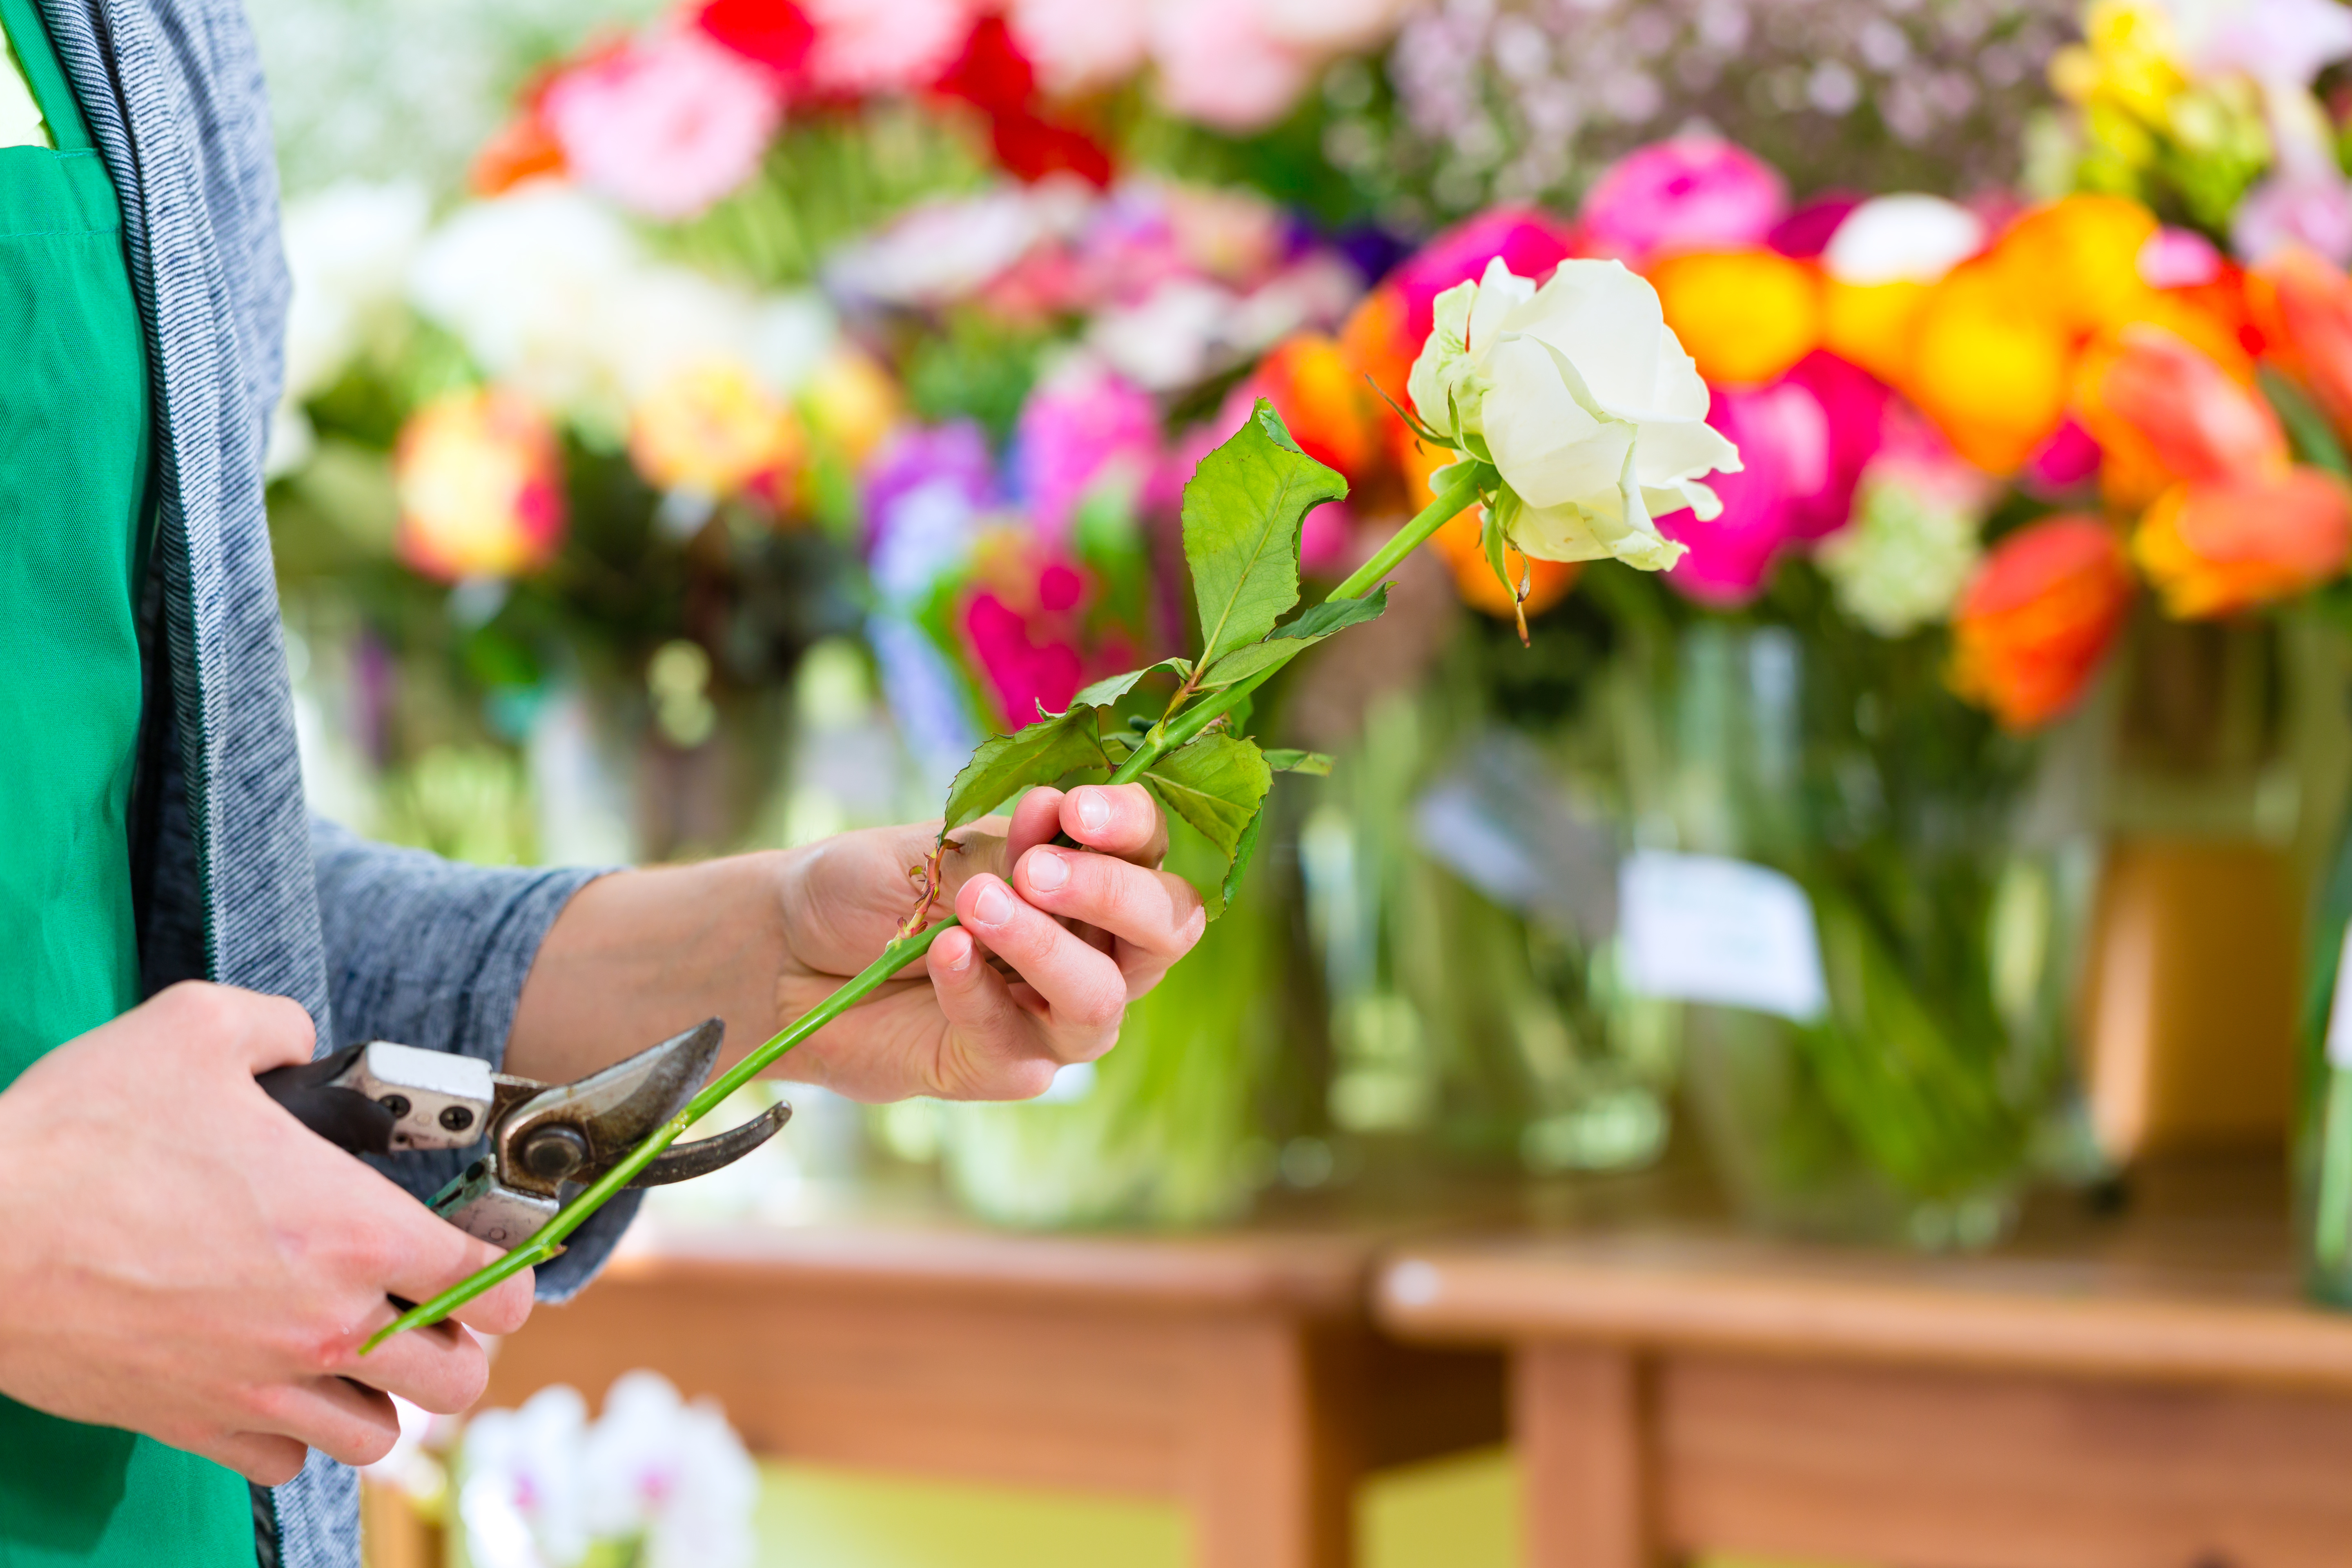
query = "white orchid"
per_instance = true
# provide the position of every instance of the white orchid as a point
(1583, 400)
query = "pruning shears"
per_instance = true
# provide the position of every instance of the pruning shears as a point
(379, 1098)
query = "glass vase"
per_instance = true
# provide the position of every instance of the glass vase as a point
(1939, 872)
(1461, 877)
(1164, 1131)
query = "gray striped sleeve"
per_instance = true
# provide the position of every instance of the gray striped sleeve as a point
(433, 953)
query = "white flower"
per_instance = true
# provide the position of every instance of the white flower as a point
(1584, 400)
(523, 1503)
(1911, 546)
(551, 294)
(347, 251)
(674, 1473)
(1905, 239)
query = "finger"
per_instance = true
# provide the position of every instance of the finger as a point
(503, 1309)
(427, 1255)
(440, 1367)
(998, 1053)
(256, 1030)
(1155, 912)
(1035, 820)
(1117, 820)
(343, 1420)
(263, 1457)
(1080, 985)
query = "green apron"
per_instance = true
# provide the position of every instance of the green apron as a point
(74, 463)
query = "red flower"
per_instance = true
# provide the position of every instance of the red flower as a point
(2037, 617)
(772, 33)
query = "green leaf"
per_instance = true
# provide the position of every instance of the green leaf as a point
(1334, 615)
(1244, 662)
(1037, 754)
(1285, 760)
(1233, 872)
(1111, 688)
(1216, 784)
(1242, 516)
(1286, 642)
(1492, 539)
(2306, 427)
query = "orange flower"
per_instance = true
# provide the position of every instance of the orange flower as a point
(1871, 324)
(2309, 304)
(1373, 338)
(480, 480)
(1745, 316)
(2155, 398)
(1322, 395)
(2215, 546)
(1990, 371)
(710, 427)
(2037, 618)
(1458, 544)
(2075, 261)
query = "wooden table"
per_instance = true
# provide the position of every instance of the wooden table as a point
(2143, 1391)
(1237, 1374)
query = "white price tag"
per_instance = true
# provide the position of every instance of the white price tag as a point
(1701, 928)
(2339, 1010)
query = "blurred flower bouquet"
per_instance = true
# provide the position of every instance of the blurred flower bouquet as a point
(652, 1482)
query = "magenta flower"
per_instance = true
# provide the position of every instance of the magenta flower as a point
(1029, 664)
(1084, 427)
(1803, 441)
(1529, 242)
(1690, 192)
(665, 126)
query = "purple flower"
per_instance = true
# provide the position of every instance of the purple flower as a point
(1690, 192)
(953, 456)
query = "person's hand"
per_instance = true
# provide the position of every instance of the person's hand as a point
(1083, 935)
(185, 1259)
(761, 939)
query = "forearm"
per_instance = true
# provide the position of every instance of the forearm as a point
(638, 956)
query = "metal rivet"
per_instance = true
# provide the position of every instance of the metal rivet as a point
(553, 1153)
(395, 1103)
(457, 1118)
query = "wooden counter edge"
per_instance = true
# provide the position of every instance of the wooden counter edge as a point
(1309, 1275)
(1473, 1298)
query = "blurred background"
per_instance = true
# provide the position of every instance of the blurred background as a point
(704, 422)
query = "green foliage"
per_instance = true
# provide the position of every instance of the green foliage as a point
(1106, 692)
(1216, 784)
(2306, 427)
(1331, 615)
(1004, 767)
(1286, 760)
(1243, 512)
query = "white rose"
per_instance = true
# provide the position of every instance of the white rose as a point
(1583, 400)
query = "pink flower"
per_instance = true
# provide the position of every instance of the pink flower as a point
(1080, 46)
(1082, 428)
(480, 481)
(1220, 66)
(1804, 441)
(666, 125)
(884, 45)
(1530, 244)
(2307, 203)
(1691, 193)
(2178, 259)
(2064, 461)
(1028, 659)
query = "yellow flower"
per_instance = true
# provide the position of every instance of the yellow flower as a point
(480, 486)
(1745, 316)
(2129, 58)
(852, 403)
(711, 427)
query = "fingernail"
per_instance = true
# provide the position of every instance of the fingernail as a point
(993, 907)
(962, 959)
(1094, 812)
(1047, 870)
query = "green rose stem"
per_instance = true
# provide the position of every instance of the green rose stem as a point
(1460, 486)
